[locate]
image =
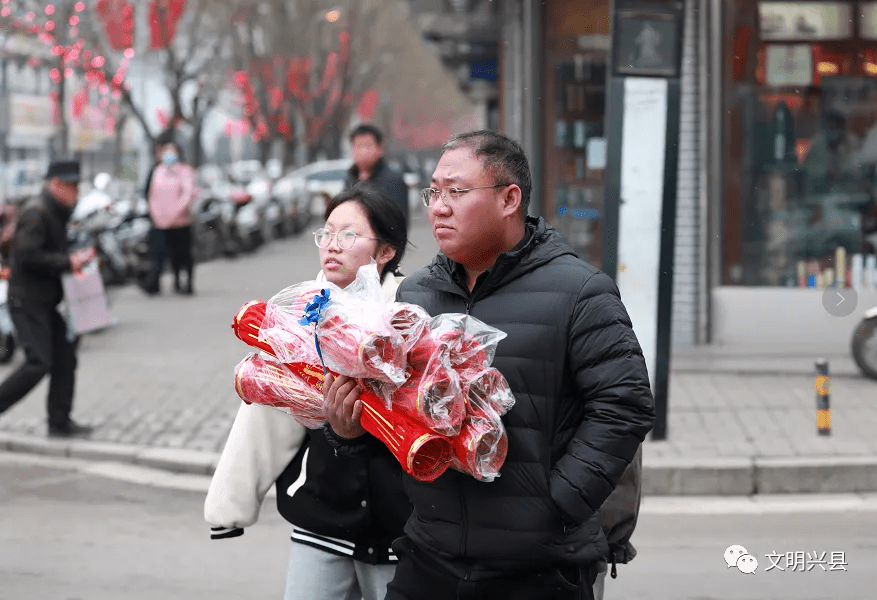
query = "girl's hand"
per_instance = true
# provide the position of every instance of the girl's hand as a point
(343, 406)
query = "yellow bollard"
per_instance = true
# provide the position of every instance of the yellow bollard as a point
(823, 395)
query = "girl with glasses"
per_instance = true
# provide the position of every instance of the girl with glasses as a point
(345, 509)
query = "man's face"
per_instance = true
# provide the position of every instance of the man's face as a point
(66, 192)
(469, 229)
(366, 151)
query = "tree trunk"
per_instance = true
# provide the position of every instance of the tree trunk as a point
(117, 155)
(62, 134)
(197, 146)
(289, 148)
(264, 150)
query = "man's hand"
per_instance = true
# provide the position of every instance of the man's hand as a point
(343, 406)
(81, 258)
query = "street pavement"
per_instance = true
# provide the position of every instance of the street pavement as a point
(98, 530)
(158, 384)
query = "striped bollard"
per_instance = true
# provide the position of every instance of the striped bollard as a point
(823, 397)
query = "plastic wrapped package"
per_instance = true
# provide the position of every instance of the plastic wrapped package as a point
(488, 388)
(482, 444)
(471, 342)
(266, 381)
(358, 350)
(293, 299)
(281, 327)
(410, 321)
(431, 396)
(434, 395)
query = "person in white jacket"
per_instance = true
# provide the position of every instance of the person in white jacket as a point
(345, 510)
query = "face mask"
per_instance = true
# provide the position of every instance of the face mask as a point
(169, 158)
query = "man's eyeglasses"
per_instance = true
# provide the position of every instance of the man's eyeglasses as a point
(346, 238)
(431, 195)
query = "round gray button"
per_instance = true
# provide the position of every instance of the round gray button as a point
(840, 302)
(364, 503)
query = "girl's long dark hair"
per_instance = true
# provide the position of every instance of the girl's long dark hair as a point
(384, 217)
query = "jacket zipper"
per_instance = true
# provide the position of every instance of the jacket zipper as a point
(470, 300)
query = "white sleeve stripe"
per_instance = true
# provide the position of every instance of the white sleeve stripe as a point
(316, 541)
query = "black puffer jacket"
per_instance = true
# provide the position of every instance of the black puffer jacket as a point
(39, 252)
(582, 408)
(388, 181)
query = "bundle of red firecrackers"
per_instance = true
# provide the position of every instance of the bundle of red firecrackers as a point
(433, 399)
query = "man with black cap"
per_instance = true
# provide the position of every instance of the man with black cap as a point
(39, 258)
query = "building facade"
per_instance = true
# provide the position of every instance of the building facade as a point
(777, 152)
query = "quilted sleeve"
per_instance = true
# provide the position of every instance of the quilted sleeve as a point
(611, 380)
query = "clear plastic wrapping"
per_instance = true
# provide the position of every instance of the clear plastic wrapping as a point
(262, 380)
(423, 374)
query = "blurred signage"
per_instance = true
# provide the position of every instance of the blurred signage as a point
(19, 45)
(89, 131)
(805, 20)
(647, 43)
(868, 22)
(788, 65)
(31, 116)
(483, 69)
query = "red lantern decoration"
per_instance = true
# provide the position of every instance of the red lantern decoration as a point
(163, 18)
(112, 14)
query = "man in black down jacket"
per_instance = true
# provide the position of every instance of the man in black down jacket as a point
(39, 258)
(582, 400)
(367, 146)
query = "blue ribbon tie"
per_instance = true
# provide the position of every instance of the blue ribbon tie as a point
(313, 312)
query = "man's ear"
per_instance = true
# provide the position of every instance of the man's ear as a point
(511, 200)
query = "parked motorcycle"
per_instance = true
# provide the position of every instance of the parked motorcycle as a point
(213, 229)
(117, 229)
(865, 344)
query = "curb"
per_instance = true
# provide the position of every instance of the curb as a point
(190, 462)
(744, 476)
(755, 475)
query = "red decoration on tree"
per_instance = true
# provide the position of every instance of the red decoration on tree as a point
(163, 18)
(80, 99)
(367, 105)
(118, 24)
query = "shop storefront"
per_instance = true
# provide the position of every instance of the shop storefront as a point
(800, 130)
(798, 163)
(574, 69)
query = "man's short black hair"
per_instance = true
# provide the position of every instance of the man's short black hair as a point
(502, 158)
(368, 129)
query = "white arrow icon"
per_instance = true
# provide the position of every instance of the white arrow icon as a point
(841, 299)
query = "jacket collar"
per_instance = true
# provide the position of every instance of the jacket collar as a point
(55, 208)
(543, 244)
(378, 168)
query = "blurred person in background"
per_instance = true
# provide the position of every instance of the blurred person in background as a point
(39, 258)
(171, 194)
(345, 509)
(366, 144)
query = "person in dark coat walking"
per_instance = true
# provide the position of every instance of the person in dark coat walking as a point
(366, 143)
(39, 259)
(583, 404)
